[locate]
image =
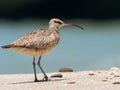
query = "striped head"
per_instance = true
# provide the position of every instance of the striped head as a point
(56, 23)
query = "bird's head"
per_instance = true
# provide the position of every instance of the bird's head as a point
(56, 23)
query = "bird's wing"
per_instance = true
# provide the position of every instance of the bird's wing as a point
(29, 40)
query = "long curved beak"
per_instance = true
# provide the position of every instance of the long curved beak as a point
(73, 25)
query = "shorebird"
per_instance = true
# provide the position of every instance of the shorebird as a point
(39, 43)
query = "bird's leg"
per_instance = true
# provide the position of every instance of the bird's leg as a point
(45, 76)
(34, 67)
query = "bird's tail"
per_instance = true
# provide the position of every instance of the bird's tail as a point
(6, 46)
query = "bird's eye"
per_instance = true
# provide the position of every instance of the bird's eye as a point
(58, 22)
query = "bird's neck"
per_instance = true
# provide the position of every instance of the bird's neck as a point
(54, 28)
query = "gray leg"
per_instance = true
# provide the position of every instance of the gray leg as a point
(45, 76)
(34, 67)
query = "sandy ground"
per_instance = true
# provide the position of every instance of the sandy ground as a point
(82, 80)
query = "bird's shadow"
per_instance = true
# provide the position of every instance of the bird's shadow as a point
(50, 80)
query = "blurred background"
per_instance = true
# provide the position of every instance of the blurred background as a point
(93, 9)
(97, 47)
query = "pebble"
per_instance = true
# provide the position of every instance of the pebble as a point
(65, 70)
(57, 76)
(71, 83)
(112, 73)
(104, 80)
(116, 75)
(116, 82)
(91, 74)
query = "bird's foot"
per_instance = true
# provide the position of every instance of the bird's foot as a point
(45, 78)
(36, 80)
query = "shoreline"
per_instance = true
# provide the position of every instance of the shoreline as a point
(80, 80)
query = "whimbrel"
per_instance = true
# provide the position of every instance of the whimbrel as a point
(39, 43)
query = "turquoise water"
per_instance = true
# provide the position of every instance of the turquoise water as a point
(96, 47)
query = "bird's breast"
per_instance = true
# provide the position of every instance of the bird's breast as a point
(48, 45)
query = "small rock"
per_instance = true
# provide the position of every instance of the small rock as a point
(91, 74)
(99, 72)
(104, 80)
(65, 70)
(116, 75)
(56, 76)
(71, 83)
(116, 82)
(112, 73)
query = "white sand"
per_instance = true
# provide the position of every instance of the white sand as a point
(82, 80)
